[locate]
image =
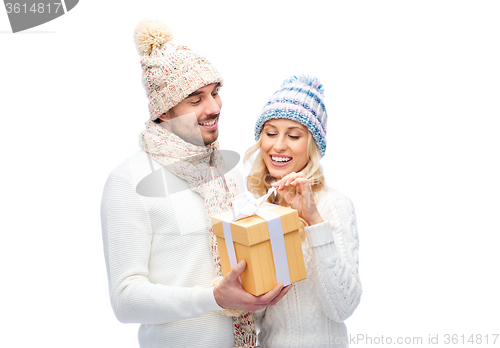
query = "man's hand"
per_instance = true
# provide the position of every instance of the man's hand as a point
(230, 293)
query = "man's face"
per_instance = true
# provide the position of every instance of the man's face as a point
(196, 118)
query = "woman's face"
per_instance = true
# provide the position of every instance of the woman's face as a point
(284, 146)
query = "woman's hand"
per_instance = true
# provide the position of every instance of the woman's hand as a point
(303, 200)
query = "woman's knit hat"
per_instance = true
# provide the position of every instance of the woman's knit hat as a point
(299, 99)
(170, 72)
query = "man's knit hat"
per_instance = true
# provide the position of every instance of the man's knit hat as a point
(299, 99)
(170, 72)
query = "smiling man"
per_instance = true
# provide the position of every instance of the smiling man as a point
(205, 103)
(160, 250)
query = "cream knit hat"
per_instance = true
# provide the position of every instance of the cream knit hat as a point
(170, 72)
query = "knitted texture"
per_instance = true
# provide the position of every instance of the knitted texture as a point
(202, 167)
(300, 98)
(170, 72)
(312, 313)
(158, 260)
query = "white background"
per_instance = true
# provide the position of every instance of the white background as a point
(412, 93)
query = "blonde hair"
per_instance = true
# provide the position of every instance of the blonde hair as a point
(259, 180)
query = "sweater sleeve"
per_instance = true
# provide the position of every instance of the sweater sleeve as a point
(127, 237)
(335, 255)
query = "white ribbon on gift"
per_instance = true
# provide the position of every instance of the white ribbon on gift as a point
(246, 205)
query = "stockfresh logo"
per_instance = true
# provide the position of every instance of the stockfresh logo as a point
(27, 14)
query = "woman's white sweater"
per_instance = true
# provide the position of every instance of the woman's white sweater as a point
(312, 313)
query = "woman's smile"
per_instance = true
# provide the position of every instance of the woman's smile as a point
(284, 146)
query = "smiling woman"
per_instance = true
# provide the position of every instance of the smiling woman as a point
(291, 138)
(284, 146)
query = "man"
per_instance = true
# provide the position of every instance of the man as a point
(160, 252)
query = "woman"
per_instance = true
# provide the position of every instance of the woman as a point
(291, 139)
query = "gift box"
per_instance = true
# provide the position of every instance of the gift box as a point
(270, 260)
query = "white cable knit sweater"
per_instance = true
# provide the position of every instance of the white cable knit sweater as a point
(312, 313)
(159, 262)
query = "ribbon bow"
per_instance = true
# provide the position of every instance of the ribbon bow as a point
(245, 204)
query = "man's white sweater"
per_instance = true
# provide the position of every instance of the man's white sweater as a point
(159, 262)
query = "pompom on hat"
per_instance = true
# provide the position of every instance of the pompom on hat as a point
(300, 98)
(170, 72)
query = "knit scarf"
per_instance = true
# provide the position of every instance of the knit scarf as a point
(202, 167)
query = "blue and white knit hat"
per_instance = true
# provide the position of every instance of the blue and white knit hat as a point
(300, 98)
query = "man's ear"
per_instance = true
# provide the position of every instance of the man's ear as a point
(164, 117)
